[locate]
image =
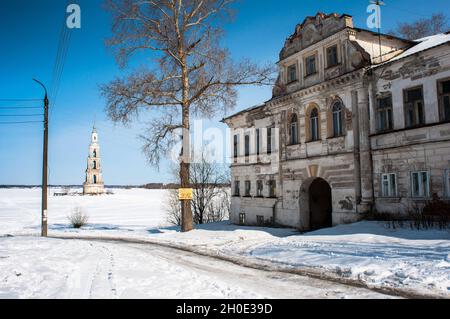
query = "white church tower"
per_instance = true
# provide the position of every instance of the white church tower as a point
(94, 180)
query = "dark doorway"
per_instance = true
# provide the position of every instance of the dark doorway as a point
(320, 205)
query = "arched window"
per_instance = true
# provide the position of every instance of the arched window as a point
(294, 129)
(314, 124)
(95, 179)
(337, 119)
(94, 166)
(94, 153)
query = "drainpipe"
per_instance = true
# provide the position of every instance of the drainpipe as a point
(356, 149)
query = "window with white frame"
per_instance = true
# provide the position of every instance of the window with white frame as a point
(444, 99)
(314, 125)
(338, 114)
(294, 129)
(414, 107)
(389, 185)
(384, 114)
(242, 218)
(420, 184)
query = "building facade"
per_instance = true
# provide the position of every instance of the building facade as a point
(354, 116)
(93, 184)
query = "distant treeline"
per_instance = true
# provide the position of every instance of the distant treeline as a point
(146, 186)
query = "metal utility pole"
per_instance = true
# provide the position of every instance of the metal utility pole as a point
(44, 225)
(379, 3)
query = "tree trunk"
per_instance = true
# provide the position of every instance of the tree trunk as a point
(186, 210)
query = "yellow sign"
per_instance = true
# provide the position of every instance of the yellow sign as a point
(185, 193)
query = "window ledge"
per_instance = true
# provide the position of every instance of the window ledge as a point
(311, 75)
(333, 66)
(312, 142)
(337, 137)
(390, 199)
(292, 82)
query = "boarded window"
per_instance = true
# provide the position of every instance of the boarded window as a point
(272, 188)
(269, 141)
(237, 188)
(247, 145)
(259, 188)
(332, 56)
(236, 146)
(258, 141)
(248, 188)
(260, 220)
(310, 65)
(447, 183)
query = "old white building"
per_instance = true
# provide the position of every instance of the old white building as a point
(353, 127)
(93, 184)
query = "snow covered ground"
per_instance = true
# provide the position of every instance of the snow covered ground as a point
(32, 267)
(367, 252)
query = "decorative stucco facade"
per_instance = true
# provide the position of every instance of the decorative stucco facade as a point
(318, 153)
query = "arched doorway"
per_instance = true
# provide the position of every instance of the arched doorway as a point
(315, 204)
(320, 205)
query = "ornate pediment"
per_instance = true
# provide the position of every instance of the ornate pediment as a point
(314, 29)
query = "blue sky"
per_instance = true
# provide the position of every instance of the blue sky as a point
(29, 33)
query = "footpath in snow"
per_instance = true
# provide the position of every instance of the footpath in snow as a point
(368, 253)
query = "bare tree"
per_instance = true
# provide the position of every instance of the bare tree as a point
(438, 23)
(211, 196)
(208, 180)
(172, 207)
(194, 74)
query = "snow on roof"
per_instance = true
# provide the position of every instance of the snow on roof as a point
(424, 44)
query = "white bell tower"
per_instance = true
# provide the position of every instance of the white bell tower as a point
(93, 184)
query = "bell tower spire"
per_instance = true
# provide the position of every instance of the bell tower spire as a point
(93, 184)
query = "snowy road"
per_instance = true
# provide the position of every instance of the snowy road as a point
(85, 269)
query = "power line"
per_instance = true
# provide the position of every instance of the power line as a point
(19, 115)
(24, 122)
(19, 107)
(19, 100)
(60, 61)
